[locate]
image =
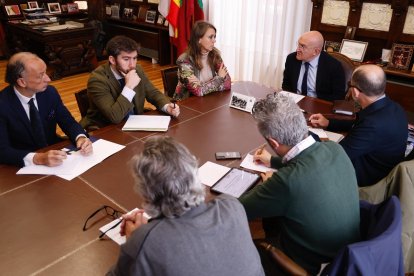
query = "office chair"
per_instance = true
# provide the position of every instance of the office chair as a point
(83, 101)
(348, 66)
(399, 182)
(169, 80)
(379, 252)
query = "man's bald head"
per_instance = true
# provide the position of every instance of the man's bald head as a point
(17, 65)
(314, 39)
(369, 79)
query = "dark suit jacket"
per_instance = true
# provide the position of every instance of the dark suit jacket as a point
(377, 140)
(330, 77)
(16, 137)
(108, 106)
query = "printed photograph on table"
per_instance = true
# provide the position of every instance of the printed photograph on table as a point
(12, 10)
(353, 49)
(332, 46)
(242, 102)
(54, 7)
(150, 17)
(33, 5)
(401, 56)
(73, 8)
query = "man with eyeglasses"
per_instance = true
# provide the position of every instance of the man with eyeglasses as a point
(377, 139)
(312, 72)
(30, 109)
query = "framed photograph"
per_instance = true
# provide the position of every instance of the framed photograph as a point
(115, 11)
(150, 17)
(23, 7)
(353, 49)
(54, 7)
(401, 56)
(33, 5)
(12, 10)
(128, 13)
(142, 13)
(160, 20)
(64, 8)
(349, 32)
(332, 46)
(73, 8)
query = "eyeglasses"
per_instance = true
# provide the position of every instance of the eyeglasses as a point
(109, 212)
(353, 86)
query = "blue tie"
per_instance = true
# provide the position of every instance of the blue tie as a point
(305, 80)
(122, 83)
(37, 126)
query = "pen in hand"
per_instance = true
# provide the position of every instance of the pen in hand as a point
(258, 152)
(173, 102)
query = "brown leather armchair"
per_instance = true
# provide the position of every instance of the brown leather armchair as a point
(348, 66)
(169, 80)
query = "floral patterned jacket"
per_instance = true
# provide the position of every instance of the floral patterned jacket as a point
(186, 68)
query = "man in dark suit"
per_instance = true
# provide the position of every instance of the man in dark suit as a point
(29, 112)
(377, 139)
(312, 72)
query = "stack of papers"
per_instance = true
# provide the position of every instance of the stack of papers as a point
(76, 164)
(211, 172)
(147, 123)
(293, 96)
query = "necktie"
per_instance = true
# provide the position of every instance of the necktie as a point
(37, 126)
(122, 83)
(305, 80)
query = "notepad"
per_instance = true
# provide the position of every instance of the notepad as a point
(147, 123)
(343, 107)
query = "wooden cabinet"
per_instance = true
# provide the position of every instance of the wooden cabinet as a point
(378, 22)
(66, 51)
(154, 39)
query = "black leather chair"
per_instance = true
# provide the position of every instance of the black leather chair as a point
(169, 80)
(83, 101)
(348, 66)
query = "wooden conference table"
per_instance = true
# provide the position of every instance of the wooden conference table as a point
(42, 216)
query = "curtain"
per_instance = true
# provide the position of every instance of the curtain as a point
(255, 37)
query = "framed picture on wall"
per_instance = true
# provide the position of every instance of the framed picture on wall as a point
(353, 49)
(13, 10)
(54, 7)
(150, 17)
(401, 56)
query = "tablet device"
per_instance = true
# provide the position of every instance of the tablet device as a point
(235, 182)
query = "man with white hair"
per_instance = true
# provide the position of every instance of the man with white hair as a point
(312, 72)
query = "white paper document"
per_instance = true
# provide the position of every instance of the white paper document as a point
(76, 164)
(293, 96)
(210, 173)
(114, 234)
(327, 135)
(248, 163)
(147, 123)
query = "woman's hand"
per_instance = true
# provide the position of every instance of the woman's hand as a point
(222, 72)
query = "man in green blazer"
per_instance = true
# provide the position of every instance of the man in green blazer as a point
(120, 87)
(310, 206)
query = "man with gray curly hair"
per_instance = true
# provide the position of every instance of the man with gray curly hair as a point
(310, 206)
(185, 236)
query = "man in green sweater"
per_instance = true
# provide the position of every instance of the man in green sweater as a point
(310, 206)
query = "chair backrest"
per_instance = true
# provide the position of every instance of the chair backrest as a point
(83, 101)
(170, 80)
(347, 64)
(380, 252)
